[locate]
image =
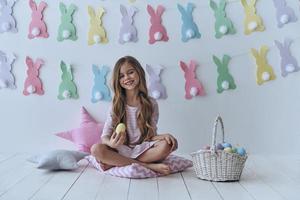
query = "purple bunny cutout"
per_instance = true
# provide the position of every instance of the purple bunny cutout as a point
(156, 89)
(284, 13)
(7, 79)
(288, 62)
(128, 32)
(7, 21)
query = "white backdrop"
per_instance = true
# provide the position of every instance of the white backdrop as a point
(264, 119)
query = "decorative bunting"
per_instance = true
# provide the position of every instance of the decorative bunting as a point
(100, 89)
(193, 87)
(264, 71)
(225, 80)
(33, 83)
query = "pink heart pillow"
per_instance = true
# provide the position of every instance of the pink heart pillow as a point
(176, 164)
(86, 135)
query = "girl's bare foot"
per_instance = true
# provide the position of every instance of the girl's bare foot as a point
(159, 167)
(105, 166)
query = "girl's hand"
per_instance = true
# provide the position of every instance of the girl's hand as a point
(171, 140)
(117, 140)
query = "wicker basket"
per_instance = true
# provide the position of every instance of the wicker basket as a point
(218, 165)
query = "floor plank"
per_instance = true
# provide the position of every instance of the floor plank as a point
(199, 189)
(146, 189)
(59, 185)
(172, 186)
(87, 186)
(114, 188)
(272, 175)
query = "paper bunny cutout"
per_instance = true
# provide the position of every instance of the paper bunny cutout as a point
(97, 33)
(157, 31)
(37, 27)
(225, 80)
(264, 71)
(100, 90)
(128, 32)
(252, 21)
(156, 89)
(284, 13)
(33, 83)
(7, 21)
(288, 62)
(66, 28)
(67, 88)
(193, 87)
(7, 79)
(223, 24)
(189, 28)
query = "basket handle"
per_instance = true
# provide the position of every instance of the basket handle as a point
(213, 144)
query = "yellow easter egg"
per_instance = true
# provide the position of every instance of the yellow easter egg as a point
(120, 128)
(228, 150)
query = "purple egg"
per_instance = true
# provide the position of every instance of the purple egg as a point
(220, 146)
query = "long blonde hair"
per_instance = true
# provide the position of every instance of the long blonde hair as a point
(144, 115)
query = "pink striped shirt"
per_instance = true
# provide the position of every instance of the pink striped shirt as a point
(132, 128)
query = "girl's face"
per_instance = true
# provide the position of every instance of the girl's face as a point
(129, 78)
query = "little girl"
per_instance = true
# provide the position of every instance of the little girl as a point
(132, 106)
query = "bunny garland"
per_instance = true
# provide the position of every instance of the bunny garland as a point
(7, 21)
(97, 33)
(67, 88)
(128, 32)
(33, 83)
(189, 28)
(7, 79)
(223, 24)
(66, 29)
(157, 31)
(100, 90)
(156, 89)
(264, 71)
(225, 80)
(288, 62)
(284, 14)
(37, 27)
(252, 21)
(193, 87)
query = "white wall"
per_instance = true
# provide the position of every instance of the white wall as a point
(264, 119)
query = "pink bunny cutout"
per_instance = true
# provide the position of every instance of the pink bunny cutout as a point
(157, 31)
(193, 86)
(37, 27)
(33, 83)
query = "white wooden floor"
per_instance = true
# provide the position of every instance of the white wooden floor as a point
(271, 178)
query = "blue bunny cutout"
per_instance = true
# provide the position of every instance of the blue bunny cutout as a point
(100, 89)
(189, 28)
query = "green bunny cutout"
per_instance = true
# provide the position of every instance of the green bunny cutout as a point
(66, 30)
(67, 88)
(223, 24)
(225, 80)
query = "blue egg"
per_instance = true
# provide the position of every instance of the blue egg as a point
(225, 145)
(241, 151)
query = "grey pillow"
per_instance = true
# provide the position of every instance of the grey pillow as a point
(58, 160)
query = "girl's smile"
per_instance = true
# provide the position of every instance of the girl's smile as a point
(129, 78)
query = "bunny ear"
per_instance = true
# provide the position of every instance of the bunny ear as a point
(42, 6)
(62, 8)
(104, 70)
(91, 11)
(278, 44)
(190, 7)
(100, 12)
(244, 3)
(132, 11)
(254, 53)
(95, 70)
(71, 9)
(150, 11)
(149, 70)
(263, 51)
(160, 10)
(226, 59)
(181, 9)
(38, 63)
(63, 66)
(287, 42)
(29, 61)
(222, 4)
(183, 66)
(32, 5)
(123, 10)
(217, 60)
(193, 65)
(213, 5)
(252, 3)
(157, 69)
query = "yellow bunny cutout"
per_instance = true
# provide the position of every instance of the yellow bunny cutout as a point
(264, 71)
(97, 32)
(252, 21)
